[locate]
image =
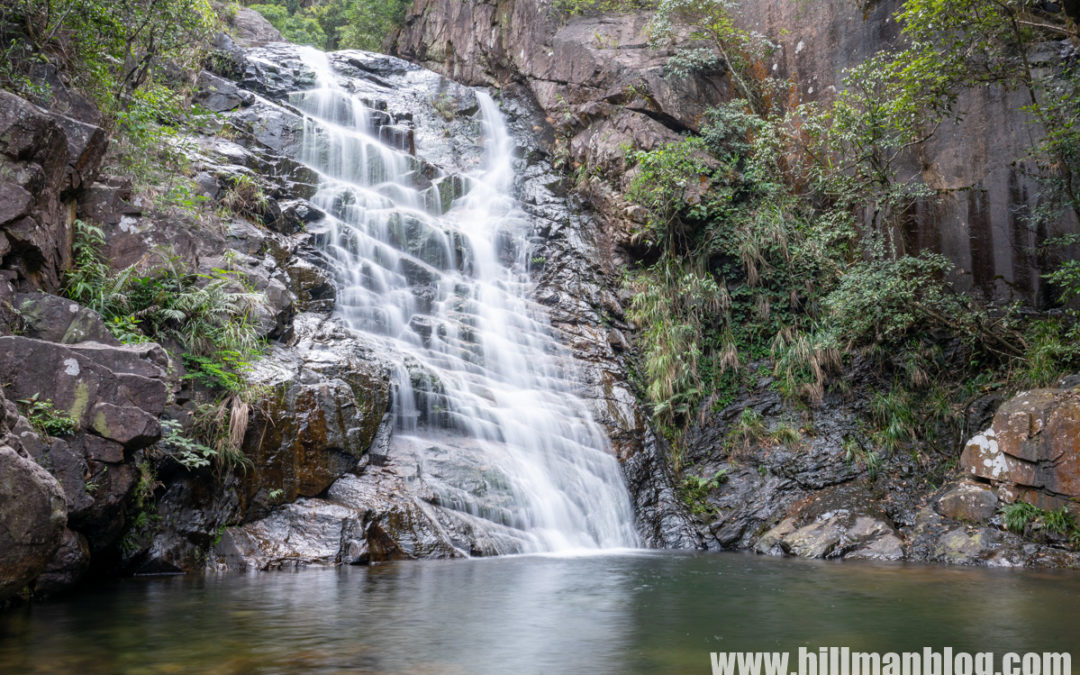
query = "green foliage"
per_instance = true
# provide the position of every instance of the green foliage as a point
(971, 42)
(1018, 514)
(1053, 348)
(189, 453)
(220, 370)
(335, 24)
(207, 315)
(222, 425)
(1060, 521)
(870, 460)
(112, 47)
(143, 514)
(209, 318)
(747, 431)
(46, 419)
(894, 415)
(775, 235)
(786, 434)
(245, 197)
(149, 142)
(695, 490)
(369, 22)
(301, 28)
(675, 184)
(113, 51)
(714, 37)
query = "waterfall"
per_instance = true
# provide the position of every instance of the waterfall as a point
(435, 265)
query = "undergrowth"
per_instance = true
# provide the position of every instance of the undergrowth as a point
(773, 233)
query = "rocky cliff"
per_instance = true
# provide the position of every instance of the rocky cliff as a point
(603, 88)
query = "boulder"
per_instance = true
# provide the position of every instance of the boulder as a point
(55, 319)
(1032, 445)
(331, 392)
(969, 503)
(115, 391)
(307, 532)
(835, 534)
(33, 516)
(841, 522)
(251, 29)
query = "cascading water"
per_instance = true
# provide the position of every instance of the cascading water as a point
(438, 269)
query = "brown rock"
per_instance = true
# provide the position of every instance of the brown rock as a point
(1033, 444)
(968, 502)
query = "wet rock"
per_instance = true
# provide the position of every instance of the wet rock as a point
(858, 529)
(32, 520)
(307, 532)
(314, 290)
(67, 566)
(333, 393)
(220, 95)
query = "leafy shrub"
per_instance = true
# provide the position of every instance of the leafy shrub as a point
(112, 47)
(205, 314)
(46, 419)
(295, 27)
(189, 453)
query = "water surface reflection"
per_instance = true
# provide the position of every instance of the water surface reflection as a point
(637, 612)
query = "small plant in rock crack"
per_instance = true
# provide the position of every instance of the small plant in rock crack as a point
(1018, 515)
(46, 419)
(695, 490)
(189, 453)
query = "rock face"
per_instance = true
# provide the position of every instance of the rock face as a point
(32, 520)
(334, 393)
(1032, 449)
(45, 158)
(596, 77)
(812, 483)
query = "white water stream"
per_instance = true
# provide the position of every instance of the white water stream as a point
(482, 386)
